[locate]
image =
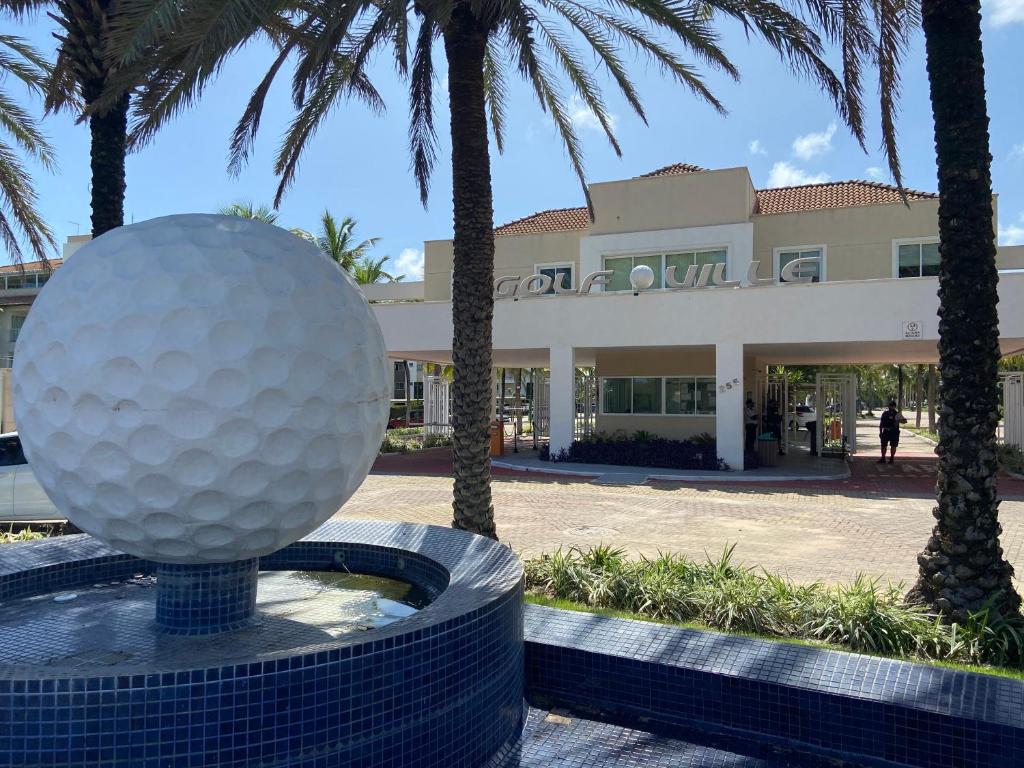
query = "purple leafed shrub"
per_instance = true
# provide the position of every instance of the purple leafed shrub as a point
(642, 450)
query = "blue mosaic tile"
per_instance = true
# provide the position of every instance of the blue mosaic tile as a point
(566, 740)
(858, 708)
(207, 598)
(443, 687)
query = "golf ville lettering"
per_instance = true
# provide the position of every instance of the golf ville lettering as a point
(706, 276)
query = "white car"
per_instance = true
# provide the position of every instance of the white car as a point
(22, 499)
(804, 415)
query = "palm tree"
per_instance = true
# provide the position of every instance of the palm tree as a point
(17, 196)
(962, 568)
(369, 270)
(81, 75)
(335, 41)
(247, 210)
(338, 240)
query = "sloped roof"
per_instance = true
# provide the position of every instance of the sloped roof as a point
(673, 170)
(807, 197)
(833, 194)
(555, 220)
(32, 266)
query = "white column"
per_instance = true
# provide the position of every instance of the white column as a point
(729, 403)
(562, 408)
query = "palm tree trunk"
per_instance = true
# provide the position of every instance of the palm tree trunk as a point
(931, 399)
(918, 393)
(963, 568)
(109, 137)
(408, 386)
(899, 388)
(465, 42)
(519, 409)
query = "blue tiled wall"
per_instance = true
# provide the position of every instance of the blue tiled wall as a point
(867, 710)
(441, 688)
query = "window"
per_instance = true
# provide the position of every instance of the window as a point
(17, 321)
(816, 271)
(916, 259)
(399, 393)
(646, 394)
(417, 390)
(683, 261)
(621, 266)
(617, 395)
(10, 451)
(553, 271)
(672, 395)
(679, 395)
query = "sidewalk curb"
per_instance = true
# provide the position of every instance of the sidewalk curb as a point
(727, 477)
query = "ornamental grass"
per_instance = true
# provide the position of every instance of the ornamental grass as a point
(865, 616)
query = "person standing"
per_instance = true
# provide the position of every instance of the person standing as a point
(750, 424)
(889, 430)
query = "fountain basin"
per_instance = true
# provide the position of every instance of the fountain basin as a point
(442, 687)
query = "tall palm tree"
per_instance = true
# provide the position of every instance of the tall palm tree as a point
(962, 568)
(248, 210)
(369, 270)
(335, 40)
(81, 75)
(21, 134)
(338, 240)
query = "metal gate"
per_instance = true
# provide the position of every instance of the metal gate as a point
(541, 402)
(768, 389)
(1013, 408)
(836, 403)
(586, 403)
(437, 406)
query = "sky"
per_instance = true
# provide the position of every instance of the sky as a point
(777, 125)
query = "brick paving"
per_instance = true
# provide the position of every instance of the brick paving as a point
(874, 523)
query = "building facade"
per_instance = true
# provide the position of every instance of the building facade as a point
(689, 282)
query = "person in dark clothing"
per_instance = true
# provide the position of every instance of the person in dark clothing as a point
(750, 424)
(889, 431)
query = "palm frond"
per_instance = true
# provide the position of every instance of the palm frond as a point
(496, 91)
(339, 80)
(19, 209)
(422, 137)
(520, 36)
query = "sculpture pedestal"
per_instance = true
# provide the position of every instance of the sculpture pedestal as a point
(206, 598)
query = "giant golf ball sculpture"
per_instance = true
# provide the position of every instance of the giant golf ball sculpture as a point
(199, 391)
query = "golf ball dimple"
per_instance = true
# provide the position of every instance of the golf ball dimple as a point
(183, 388)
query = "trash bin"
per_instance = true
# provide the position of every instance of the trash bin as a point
(812, 430)
(497, 439)
(767, 450)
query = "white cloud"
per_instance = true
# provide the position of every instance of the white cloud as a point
(410, 264)
(1013, 234)
(1017, 152)
(811, 145)
(1003, 12)
(785, 174)
(757, 148)
(874, 172)
(583, 117)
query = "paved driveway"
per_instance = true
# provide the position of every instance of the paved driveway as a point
(874, 523)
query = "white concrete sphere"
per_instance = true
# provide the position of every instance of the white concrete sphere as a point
(200, 389)
(641, 277)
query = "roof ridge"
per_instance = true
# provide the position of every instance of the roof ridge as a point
(837, 182)
(691, 168)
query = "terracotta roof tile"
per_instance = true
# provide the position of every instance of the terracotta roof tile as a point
(808, 197)
(673, 170)
(556, 220)
(835, 194)
(32, 266)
